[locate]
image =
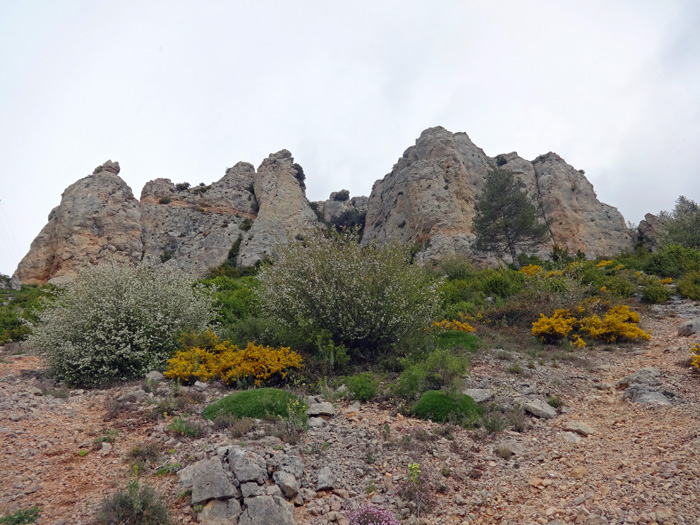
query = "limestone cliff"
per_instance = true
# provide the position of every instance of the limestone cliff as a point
(98, 216)
(193, 229)
(428, 198)
(284, 214)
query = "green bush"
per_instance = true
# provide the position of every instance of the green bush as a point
(502, 282)
(673, 261)
(458, 340)
(115, 321)
(22, 516)
(437, 406)
(363, 386)
(689, 286)
(17, 307)
(134, 506)
(442, 368)
(234, 298)
(258, 404)
(655, 293)
(368, 299)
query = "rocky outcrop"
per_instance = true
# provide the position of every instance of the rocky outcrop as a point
(284, 214)
(342, 210)
(194, 229)
(98, 216)
(428, 198)
(649, 230)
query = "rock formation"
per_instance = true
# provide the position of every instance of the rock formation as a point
(194, 229)
(98, 216)
(428, 198)
(285, 213)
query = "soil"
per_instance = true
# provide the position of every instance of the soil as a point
(640, 464)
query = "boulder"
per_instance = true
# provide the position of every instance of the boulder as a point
(267, 510)
(480, 395)
(540, 408)
(689, 327)
(247, 466)
(218, 512)
(320, 409)
(583, 429)
(645, 394)
(287, 483)
(326, 479)
(650, 376)
(210, 482)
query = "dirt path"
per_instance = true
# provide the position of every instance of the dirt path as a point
(640, 465)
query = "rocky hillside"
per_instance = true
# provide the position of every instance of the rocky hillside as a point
(428, 196)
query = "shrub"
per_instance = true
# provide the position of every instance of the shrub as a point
(164, 200)
(673, 261)
(689, 286)
(19, 306)
(363, 386)
(373, 515)
(368, 298)
(21, 516)
(440, 369)
(258, 403)
(182, 427)
(417, 489)
(134, 506)
(458, 340)
(222, 360)
(117, 321)
(437, 406)
(618, 324)
(555, 328)
(695, 355)
(655, 292)
(502, 282)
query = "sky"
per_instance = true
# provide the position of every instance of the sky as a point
(185, 89)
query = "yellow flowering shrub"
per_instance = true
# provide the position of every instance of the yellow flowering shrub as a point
(618, 324)
(619, 267)
(695, 355)
(603, 264)
(453, 325)
(554, 273)
(667, 280)
(554, 328)
(531, 270)
(231, 364)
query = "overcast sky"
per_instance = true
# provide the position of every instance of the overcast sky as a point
(185, 89)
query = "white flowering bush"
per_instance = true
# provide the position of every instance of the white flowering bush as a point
(117, 321)
(367, 298)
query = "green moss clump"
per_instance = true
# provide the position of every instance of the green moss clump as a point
(437, 406)
(258, 403)
(457, 339)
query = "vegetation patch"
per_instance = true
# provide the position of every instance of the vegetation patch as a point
(437, 406)
(258, 404)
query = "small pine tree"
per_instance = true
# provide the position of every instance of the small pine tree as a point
(506, 219)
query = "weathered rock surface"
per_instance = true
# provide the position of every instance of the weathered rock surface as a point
(540, 408)
(194, 229)
(210, 482)
(648, 231)
(430, 195)
(285, 213)
(339, 207)
(689, 327)
(98, 216)
(266, 510)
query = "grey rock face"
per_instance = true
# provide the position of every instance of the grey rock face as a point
(284, 214)
(430, 195)
(689, 327)
(289, 463)
(267, 510)
(645, 394)
(340, 205)
(247, 466)
(540, 408)
(480, 395)
(194, 229)
(218, 512)
(210, 482)
(320, 409)
(98, 217)
(326, 479)
(649, 376)
(287, 483)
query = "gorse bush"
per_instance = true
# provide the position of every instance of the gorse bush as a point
(115, 321)
(214, 359)
(619, 324)
(367, 298)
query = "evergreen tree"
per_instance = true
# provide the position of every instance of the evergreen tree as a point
(506, 219)
(682, 225)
